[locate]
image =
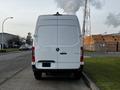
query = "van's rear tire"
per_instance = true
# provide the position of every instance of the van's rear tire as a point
(38, 75)
(77, 75)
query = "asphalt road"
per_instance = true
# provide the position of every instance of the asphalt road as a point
(16, 74)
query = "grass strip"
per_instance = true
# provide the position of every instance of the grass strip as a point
(104, 71)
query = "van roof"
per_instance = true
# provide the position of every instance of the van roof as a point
(63, 16)
(62, 20)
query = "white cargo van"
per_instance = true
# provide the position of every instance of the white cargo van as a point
(57, 45)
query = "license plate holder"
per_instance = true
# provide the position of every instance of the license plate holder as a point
(46, 64)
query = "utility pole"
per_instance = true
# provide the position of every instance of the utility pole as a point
(84, 22)
(86, 30)
(84, 18)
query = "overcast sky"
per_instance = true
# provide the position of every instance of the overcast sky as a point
(25, 13)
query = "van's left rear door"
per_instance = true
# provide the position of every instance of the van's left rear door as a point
(46, 53)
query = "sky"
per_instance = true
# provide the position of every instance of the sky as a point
(26, 12)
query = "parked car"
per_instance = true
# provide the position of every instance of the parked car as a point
(25, 47)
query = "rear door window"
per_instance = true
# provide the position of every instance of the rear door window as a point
(67, 35)
(47, 35)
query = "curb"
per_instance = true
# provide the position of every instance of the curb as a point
(89, 82)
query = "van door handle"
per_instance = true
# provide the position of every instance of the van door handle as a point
(63, 53)
(57, 49)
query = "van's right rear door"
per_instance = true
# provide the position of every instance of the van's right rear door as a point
(68, 43)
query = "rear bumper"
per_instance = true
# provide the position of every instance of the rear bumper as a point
(57, 70)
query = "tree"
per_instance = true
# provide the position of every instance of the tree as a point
(14, 42)
(29, 39)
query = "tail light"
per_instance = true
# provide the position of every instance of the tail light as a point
(82, 56)
(33, 54)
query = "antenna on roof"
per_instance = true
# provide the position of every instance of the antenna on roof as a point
(57, 14)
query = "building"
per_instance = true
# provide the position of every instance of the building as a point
(107, 43)
(6, 38)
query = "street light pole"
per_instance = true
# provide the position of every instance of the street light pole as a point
(2, 36)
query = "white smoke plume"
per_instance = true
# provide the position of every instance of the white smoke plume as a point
(69, 6)
(98, 4)
(72, 6)
(113, 20)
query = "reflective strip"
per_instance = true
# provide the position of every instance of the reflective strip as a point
(82, 63)
(33, 63)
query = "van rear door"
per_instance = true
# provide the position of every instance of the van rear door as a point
(69, 45)
(47, 43)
